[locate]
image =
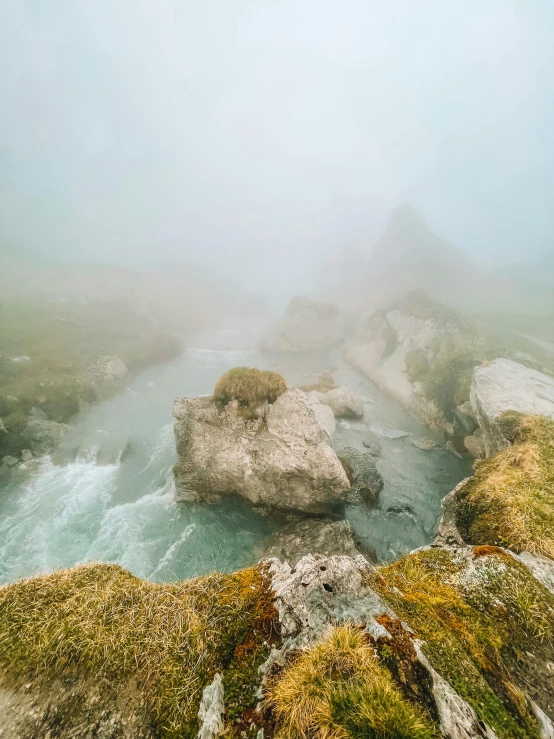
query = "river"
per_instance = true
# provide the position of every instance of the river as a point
(108, 493)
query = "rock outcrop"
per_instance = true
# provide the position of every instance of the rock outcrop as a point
(502, 386)
(105, 375)
(401, 348)
(41, 434)
(344, 402)
(281, 459)
(312, 536)
(306, 326)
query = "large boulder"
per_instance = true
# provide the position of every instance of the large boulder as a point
(502, 386)
(306, 326)
(281, 459)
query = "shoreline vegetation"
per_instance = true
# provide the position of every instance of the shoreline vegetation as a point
(56, 357)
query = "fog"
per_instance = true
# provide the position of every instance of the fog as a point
(256, 138)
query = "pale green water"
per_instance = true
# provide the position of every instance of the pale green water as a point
(108, 493)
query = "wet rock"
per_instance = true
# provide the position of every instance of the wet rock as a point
(306, 326)
(387, 432)
(362, 474)
(312, 536)
(373, 446)
(41, 434)
(281, 459)
(503, 386)
(449, 447)
(425, 444)
(342, 401)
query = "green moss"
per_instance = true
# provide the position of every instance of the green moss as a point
(509, 501)
(474, 616)
(170, 639)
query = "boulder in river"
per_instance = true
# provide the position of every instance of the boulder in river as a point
(362, 473)
(306, 326)
(502, 386)
(312, 536)
(344, 402)
(105, 375)
(281, 459)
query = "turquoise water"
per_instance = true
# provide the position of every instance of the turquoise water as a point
(107, 494)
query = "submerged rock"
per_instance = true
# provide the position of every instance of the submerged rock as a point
(306, 326)
(342, 401)
(281, 459)
(503, 386)
(426, 445)
(362, 474)
(312, 536)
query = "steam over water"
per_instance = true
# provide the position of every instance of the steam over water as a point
(108, 492)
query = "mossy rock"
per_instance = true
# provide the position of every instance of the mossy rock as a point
(487, 627)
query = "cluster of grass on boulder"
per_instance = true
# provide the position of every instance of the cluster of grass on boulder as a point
(249, 386)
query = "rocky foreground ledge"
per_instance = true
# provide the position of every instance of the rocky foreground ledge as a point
(454, 640)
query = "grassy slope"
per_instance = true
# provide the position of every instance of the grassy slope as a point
(62, 341)
(509, 501)
(170, 639)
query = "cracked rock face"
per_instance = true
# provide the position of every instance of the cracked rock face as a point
(504, 385)
(281, 459)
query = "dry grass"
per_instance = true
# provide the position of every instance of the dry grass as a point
(339, 690)
(510, 499)
(170, 639)
(250, 386)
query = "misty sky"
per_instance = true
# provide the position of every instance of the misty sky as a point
(257, 132)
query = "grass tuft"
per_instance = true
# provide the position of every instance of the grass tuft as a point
(339, 690)
(509, 501)
(250, 387)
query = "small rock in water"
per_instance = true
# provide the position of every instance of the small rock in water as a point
(425, 444)
(449, 447)
(387, 432)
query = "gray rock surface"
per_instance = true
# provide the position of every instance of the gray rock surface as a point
(312, 536)
(105, 375)
(306, 326)
(504, 385)
(281, 460)
(362, 473)
(212, 709)
(342, 401)
(475, 444)
(41, 434)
